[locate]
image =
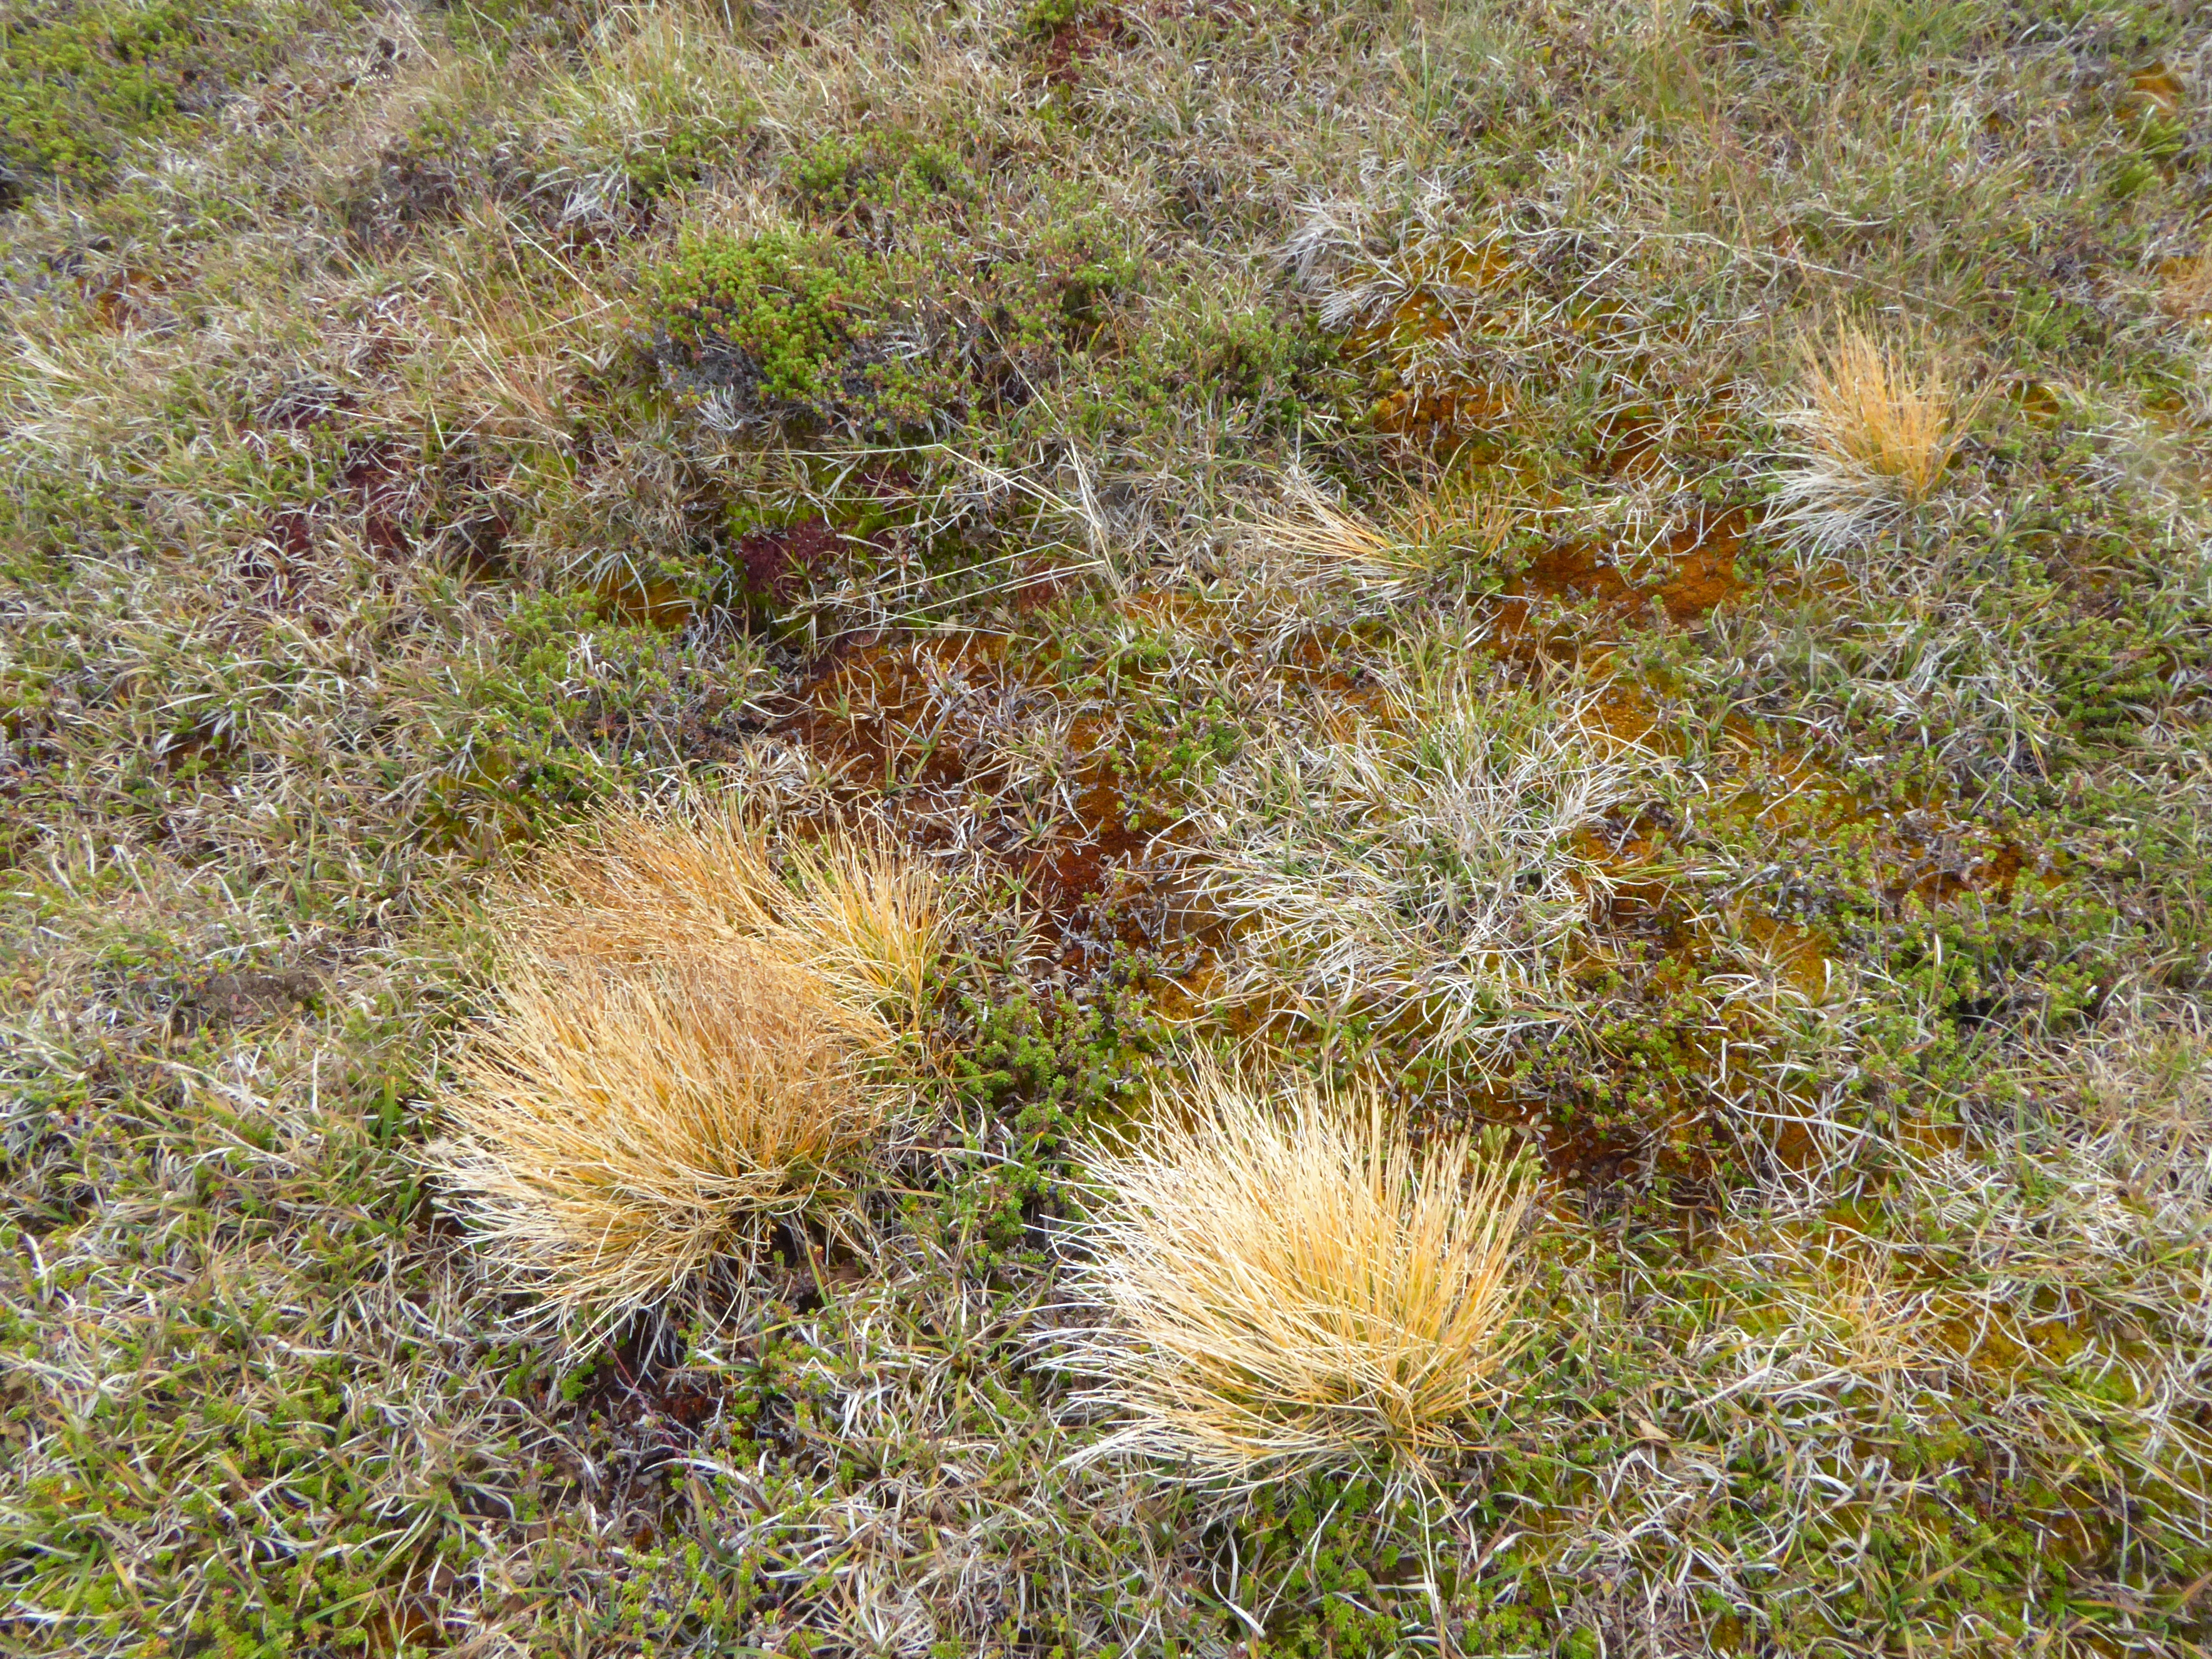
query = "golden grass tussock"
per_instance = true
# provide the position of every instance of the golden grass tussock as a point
(867, 918)
(1280, 1285)
(1881, 421)
(610, 1135)
(685, 1047)
(1869, 407)
(639, 887)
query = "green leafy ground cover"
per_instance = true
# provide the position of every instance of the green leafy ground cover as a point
(424, 425)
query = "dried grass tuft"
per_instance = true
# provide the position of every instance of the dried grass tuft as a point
(1302, 1287)
(864, 917)
(613, 1134)
(1880, 421)
(869, 920)
(1433, 530)
(684, 1049)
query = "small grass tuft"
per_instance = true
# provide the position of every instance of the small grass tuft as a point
(1881, 421)
(614, 1132)
(1427, 535)
(1299, 1288)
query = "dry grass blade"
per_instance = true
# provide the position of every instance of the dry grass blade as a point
(611, 1134)
(1295, 1288)
(1881, 421)
(1331, 540)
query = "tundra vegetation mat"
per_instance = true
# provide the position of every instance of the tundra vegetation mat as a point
(1629, 578)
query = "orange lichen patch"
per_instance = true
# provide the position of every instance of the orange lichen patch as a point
(1629, 444)
(1570, 573)
(1421, 396)
(1634, 442)
(2001, 872)
(1452, 294)
(658, 600)
(1167, 608)
(1797, 951)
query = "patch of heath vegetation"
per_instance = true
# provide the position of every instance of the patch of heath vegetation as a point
(88, 85)
(815, 334)
(943, 335)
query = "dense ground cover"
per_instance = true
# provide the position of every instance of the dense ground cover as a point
(1367, 538)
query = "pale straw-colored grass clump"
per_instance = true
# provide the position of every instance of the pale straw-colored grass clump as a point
(1880, 421)
(864, 917)
(1423, 865)
(1321, 541)
(613, 1134)
(1278, 1285)
(683, 1048)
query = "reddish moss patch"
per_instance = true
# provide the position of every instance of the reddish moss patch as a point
(1698, 578)
(778, 563)
(126, 298)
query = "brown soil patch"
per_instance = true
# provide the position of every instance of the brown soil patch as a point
(378, 483)
(1082, 869)
(1442, 418)
(128, 299)
(872, 707)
